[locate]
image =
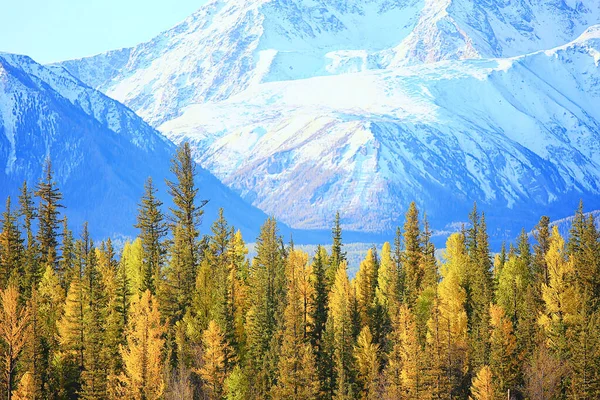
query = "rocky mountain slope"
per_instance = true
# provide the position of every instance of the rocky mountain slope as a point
(101, 151)
(308, 106)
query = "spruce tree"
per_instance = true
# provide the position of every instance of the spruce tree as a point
(11, 247)
(542, 236)
(319, 310)
(338, 255)
(153, 228)
(186, 216)
(28, 214)
(504, 355)
(413, 274)
(266, 299)
(48, 215)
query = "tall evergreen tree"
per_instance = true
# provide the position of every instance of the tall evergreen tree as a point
(11, 247)
(338, 255)
(153, 228)
(48, 214)
(504, 356)
(28, 213)
(94, 377)
(186, 216)
(266, 299)
(413, 274)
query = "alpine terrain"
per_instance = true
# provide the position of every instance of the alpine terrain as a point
(90, 138)
(304, 107)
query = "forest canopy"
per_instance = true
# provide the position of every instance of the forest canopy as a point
(178, 313)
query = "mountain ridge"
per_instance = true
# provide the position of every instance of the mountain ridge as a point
(101, 151)
(426, 100)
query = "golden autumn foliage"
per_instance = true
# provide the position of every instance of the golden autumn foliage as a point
(213, 371)
(143, 354)
(482, 387)
(14, 320)
(366, 354)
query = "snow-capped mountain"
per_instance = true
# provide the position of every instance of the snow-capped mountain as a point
(101, 151)
(309, 106)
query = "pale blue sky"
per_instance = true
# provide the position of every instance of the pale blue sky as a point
(55, 30)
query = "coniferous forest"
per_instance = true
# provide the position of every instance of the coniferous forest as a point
(181, 313)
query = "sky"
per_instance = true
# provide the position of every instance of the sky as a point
(56, 30)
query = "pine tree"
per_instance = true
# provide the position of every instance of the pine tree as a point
(46, 306)
(405, 370)
(14, 320)
(11, 247)
(132, 264)
(483, 385)
(71, 335)
(213, 371)
(25, 390)
(142, 356)
(367, 363)
(412, 356)
(239, 281)
(513, 283)
(48, 212)
(153, 228)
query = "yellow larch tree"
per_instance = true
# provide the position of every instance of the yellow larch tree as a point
(560, 295)
(452, 313)
(213, 371)
(14, 319)
(143, 354)
(482, 387)
(366, 354)
(297, 373)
